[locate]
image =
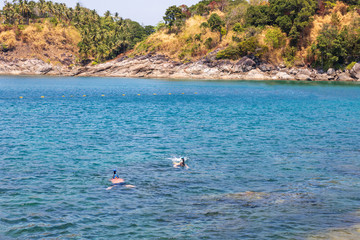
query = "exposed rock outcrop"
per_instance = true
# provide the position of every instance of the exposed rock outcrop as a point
(355, 71)
(160, 66)
(344, 77)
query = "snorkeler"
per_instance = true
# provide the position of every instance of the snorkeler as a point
(115, 175)
(117, 181)
(181, 164)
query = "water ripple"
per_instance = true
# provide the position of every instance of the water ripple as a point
(267, 160)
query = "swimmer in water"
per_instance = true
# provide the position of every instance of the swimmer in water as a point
(115, 175)
(117, 181)
(181, 164)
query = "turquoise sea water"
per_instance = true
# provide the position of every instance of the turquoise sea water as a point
(294, 148)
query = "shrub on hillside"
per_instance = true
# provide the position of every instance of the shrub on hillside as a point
(275, 38)
(238, 28)
(204, 25)
(350, 66)
(334, 47)
(209, 43)
(288, 55)
(197, 37)
(231, 52)
(249, 46)
(160, 26)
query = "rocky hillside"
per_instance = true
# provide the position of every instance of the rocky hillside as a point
(327, 37)
(57, 34)
(222, 39)
(44, 41)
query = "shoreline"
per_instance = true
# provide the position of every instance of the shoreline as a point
(160, 67)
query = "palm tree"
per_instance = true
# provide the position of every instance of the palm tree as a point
(9, 13)
(43, 8)
(24, 10)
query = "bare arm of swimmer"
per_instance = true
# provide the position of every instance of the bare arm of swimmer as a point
(177, 165)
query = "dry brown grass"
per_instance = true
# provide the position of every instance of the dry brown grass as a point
(184, 45)
(8, 38)
(45, 36)
(41, 40)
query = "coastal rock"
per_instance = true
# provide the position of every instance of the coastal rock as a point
(322, 77)
(303, 77)
(305, 71)
(160, 66)
(282, 76)
(255, 74)
(45, 69)
(355, 71)
(196, 69)
(226, 68)
(66, 61)
(338, 71)
(294, 71)
(330, 71)
(266, 67)
(245, 64)
(344, 77)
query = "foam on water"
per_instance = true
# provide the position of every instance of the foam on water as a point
(175, 160)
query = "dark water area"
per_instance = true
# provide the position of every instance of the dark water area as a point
(268, 160)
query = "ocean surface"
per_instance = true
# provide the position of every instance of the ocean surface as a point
(267, 160)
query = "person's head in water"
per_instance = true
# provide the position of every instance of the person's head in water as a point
(182, 163)
(115, 174)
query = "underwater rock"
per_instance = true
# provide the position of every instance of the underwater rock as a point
(351, 233)
(250, 198)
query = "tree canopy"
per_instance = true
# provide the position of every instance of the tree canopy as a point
(174, 16)
(103, 37)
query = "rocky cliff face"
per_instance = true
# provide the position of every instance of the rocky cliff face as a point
(159, 66)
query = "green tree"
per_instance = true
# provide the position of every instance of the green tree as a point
(174, 17)
(238, 28)
(258, 16)
(249, 46)
(275, 38)
(292, 16)
(329, 49)
(149, 30)
(216, 24)
(298, 15)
